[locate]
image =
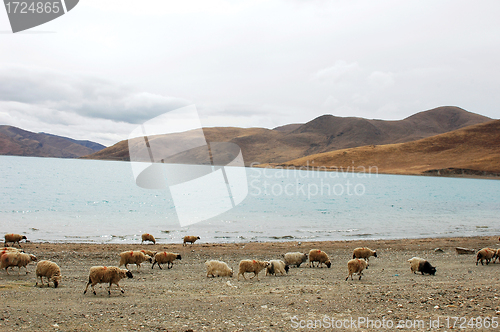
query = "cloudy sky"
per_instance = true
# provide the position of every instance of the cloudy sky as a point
(107, 66)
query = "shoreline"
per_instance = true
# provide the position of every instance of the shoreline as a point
(184, 299)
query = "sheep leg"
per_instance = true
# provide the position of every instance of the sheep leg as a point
(169, 265)
(85, 291)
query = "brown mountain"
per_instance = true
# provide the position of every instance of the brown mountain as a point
(471, 150)
(18, 142)
(325, 133)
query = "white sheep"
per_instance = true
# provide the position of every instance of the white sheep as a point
(133, 257)
(218, 269)
(364, 253)
(190, 238)
(316, 255)
(49, 270)
(356, 265)
(253, 266)
(485, 254)
(295, 258)
(276, 266)
(14, 238)
(18, 259)
(165, 258)
(148, 237)
(104, 274)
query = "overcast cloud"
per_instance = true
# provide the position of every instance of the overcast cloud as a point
(110, 65)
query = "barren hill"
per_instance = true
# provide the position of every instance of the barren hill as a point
(18, 142)
(471, 150)
(325, 133)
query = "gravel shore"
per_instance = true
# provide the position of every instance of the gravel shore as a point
(184, 299)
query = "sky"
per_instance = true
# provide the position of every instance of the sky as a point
(106, 67)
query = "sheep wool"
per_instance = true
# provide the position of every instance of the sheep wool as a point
(295, 258)
(277, 266)
(148, 237)
(254, 266)
(49, 270)
(190, 238)
(218, 269)
(104, 274)
(356, 265)
(13, 258)
(485, 254)
(166, 258)
(14, 238)
(133, 257)
(316, 255)
(364, 253)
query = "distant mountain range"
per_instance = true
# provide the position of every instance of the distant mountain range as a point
(473, 150)
(18, 142)
(323, 134)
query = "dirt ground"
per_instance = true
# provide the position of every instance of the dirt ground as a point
(184, 299)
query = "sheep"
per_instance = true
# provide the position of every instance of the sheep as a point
(356, 265)
(18, 259)
(316, 255)
(10, 249)
(364, 253)
(485, 254)
(295, 258)
(254, 266)
(497, 255)
(218, 269)
(165, 258)
(133, 257)
(418, 264)
(14, 238)
(104, 274)
(49, 270)
(148, 237)
(276, 266)
(190, 238)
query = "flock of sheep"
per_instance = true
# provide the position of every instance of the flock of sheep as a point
(11, 257)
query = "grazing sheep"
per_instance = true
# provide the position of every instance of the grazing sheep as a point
(254, 266)
(418, 264)
(49, 270)
(18, 259)
(133, 257)
(148, 237)
(14, 238)
(497, 255)
(295, 258)
(356, 265)
(190, 238)
(316, 255)
(485, 254)
(150, 253)
(218, 269)
(165, 258)
(364, 253)
(104, 274)
(276, 266)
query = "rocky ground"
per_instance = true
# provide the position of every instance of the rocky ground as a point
(184, 299)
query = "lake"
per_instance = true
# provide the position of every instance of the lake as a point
(70, 200)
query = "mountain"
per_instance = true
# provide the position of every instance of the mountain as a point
(473, 150)
(18, 142)
(323, 134)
